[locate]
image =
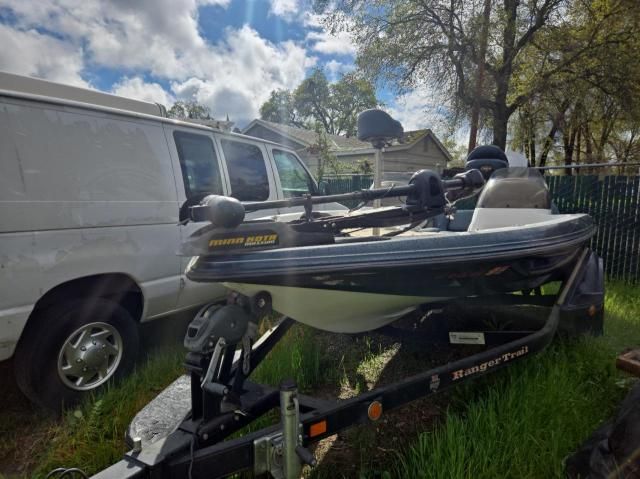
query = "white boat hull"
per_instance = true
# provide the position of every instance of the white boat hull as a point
(335, 311)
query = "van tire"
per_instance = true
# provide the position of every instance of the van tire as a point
(98, 323)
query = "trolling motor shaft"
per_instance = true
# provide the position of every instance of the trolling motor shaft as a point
(425, 190)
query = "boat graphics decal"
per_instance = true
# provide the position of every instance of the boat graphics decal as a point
(484, 366)
(264, 238)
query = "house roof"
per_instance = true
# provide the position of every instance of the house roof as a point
(308, 137)
(408, 140)
(345, 146)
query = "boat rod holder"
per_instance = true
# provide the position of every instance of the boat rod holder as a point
(229, 212)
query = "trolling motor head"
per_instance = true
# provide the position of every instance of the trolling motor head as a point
(430, 192)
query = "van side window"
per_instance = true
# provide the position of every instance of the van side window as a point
(199, 164)
(247, 171)
(294, 178)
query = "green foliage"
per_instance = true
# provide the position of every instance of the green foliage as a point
(297, 356)
(498, 63)
(189, 110)
(584, 76)
(315, 101)
(544, 407)
(363, 166)
(327, 161)
(280, 108)
(92, 436)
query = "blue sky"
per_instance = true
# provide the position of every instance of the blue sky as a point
(227, 54)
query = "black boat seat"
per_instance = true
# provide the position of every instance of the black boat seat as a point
(487, 159)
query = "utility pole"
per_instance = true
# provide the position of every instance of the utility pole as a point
(475, 109)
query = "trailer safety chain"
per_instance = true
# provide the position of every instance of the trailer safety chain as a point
(70, 473)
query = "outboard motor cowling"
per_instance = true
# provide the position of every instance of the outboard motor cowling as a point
(487, 159)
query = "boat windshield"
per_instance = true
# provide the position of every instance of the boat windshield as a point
(515, 187)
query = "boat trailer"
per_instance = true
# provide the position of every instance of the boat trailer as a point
(196, 443)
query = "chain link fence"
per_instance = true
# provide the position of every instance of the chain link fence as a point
(614, 204)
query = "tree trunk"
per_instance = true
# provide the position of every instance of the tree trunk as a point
(578, 147)
(500, 122)
(569, 141)
(548, 143)
(532, 145)
(475, 111)
(589, 143)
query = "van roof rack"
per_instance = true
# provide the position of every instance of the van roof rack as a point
(35, 86)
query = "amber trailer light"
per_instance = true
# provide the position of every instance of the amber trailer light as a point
(318, 428)
(374, 411)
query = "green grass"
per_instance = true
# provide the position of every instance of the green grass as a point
(520, 422)
(525, 420)
(297, 356)
(92, 437)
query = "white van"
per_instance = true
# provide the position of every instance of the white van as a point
(90, 191)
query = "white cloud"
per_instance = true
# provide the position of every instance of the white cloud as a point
(418, 109)
(138, 89)
(329, 43)
(221, 3)
(336, 69)
(31, 53)
(324, 41)
(284, 8)
(159, 38)
(243, 71)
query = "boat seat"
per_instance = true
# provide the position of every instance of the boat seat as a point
(490, 218)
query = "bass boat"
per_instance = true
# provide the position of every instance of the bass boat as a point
(330, 272)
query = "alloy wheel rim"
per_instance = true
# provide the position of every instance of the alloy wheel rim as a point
(90, 356)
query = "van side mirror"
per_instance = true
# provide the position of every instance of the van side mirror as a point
(324, 189)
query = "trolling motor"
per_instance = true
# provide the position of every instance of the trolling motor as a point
(425, 192)
(427, 195)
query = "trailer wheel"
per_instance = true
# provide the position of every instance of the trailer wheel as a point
(75, 347)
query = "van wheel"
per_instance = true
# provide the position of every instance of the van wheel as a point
(73, 348)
